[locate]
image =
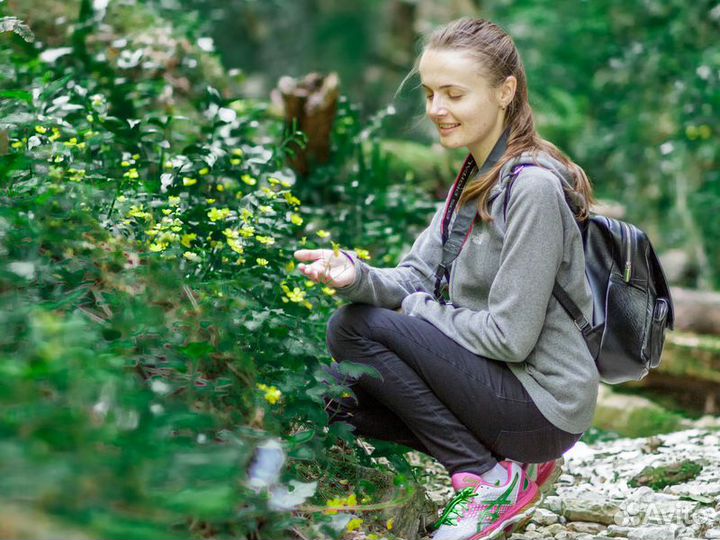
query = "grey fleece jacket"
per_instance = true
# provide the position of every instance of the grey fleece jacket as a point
(501, 304)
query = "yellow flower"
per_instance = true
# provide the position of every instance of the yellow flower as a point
(265, 240)
(235, 246)
(204, 171)
(285, 183)
(73, 141)
(249, 180)
(269, 192)
(273, 181)
(289, 267)
(132, 174)
(173, 201)
(187, 181)
(362, 253)
(238, 152)
(261, 262)
(231, 233)
(137, 212)
(296, 219)
(354, 524)
(389, 524)
(136, 156)
(291, 199)
(17, 145)
(167, 211)
(217, 214)
(272, 394)
(220, 187)
(235, 162)
(122, 198)
(168, 164)
(210, 201)
(190, 256)
(328, 291)
(296, 295)
(41, 130)
(159, 246)
(187, 239)
(246, 214)
(55, 136)
(310, 284)
(246, 231)
(323, 234)
(265, 209)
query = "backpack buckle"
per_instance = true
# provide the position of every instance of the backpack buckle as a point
(582, 324)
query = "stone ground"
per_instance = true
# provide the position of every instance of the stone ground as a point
(593, 500)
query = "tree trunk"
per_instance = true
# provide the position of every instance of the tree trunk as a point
(312, 104)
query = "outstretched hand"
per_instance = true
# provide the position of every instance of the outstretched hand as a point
(327, 267)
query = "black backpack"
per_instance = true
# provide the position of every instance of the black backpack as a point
(632, 306)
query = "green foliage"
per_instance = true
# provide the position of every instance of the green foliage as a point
(155, 333)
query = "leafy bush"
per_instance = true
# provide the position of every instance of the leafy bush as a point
(155, 334)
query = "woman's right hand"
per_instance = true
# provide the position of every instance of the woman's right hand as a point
(325, 267)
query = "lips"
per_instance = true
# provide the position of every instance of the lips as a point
(446, 128)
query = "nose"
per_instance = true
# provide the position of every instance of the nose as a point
(436, 108)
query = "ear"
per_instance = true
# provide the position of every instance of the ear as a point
(506, 91)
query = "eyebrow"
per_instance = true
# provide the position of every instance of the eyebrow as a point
(445, 86)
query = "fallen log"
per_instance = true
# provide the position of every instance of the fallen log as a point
(696, 311)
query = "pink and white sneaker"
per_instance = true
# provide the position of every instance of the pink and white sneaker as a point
(544, 474)
(481, 510)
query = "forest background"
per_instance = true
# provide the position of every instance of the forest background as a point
(156, 334)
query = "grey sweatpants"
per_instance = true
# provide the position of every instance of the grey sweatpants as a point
(435, 396)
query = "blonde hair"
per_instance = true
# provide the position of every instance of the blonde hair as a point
(498, 58)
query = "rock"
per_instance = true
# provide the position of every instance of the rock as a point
(567, 535)
(712, 534)
(553, 503)
(618, 531)
(585, 527)
(542, 516)
(665, 532)
(590, 506)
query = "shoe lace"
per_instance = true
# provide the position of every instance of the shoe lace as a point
(455, 508)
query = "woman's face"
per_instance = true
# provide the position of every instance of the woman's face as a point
(466, 110)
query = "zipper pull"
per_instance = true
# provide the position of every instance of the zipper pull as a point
(628, 271)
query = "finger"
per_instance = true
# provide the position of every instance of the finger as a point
(308, 254)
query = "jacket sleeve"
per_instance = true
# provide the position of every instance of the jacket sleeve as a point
(530, 257)
(386, 287)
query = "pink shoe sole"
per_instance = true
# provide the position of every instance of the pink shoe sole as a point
(524, 509)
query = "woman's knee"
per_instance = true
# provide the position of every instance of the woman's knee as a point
(347, 321)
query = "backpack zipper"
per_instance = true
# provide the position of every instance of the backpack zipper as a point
(628, 251)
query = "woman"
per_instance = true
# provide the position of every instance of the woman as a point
(499, 377)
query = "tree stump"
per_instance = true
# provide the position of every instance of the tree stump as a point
(312, 103)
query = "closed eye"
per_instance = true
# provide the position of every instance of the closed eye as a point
(454, 98)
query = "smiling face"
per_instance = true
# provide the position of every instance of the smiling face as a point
(466, 109)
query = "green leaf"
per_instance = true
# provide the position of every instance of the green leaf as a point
(355, 370)
(20, 95)
(301, 437)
